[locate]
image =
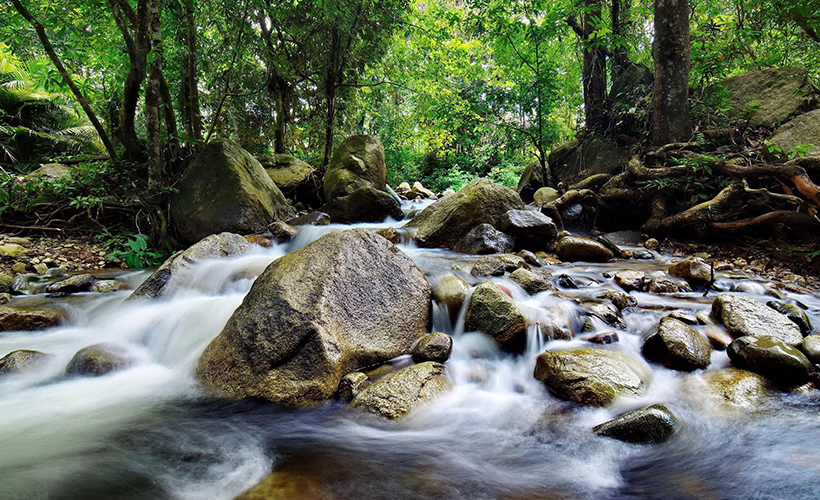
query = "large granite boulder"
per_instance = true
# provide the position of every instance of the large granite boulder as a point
(768, 97)
(532, 230)
(297, 180)
(366, 204)
(14, 319)
(485, 239)
(743, 315)
(651, 425)
(348, 300)
(800, 135)
(226, 189)
(678, 346)
(358, 162)
(447, 221)
(586, 157)
(171, 274)
(591, 376)
(395, 395)
(493, 312)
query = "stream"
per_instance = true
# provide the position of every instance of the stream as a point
(152, 432)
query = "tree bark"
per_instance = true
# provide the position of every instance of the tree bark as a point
(55, 59)
(622, 28)
(193, 112)
(670, 96)
(152, 101)
(331, 90)
(594, 73)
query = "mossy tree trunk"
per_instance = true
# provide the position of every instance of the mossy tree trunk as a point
(670, 96)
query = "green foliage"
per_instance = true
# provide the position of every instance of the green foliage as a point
(133, 249)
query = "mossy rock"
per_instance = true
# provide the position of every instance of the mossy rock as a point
(586, 157)
(347, 301)
(97, 360)
(20, 361)
(739, 387)
(226, 190)
(799, 135)
(743, 315)
(397, 394)
(358, 162)
(678, 346)
(13, 319)
(493, 312)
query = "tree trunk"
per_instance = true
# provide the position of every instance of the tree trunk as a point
(193, 112)
(55, 59)
(278, 87)
(670, 97)
(622, 29)
(594, 70)
(152, 102)
(331, 89)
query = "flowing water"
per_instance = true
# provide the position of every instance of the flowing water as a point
(151, 432)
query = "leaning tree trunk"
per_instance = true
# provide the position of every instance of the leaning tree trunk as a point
(594, 70)
(670, 96)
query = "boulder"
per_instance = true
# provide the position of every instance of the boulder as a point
(366, 204)
(531, 181)
(619, 299)
(493, 312)
(107, 286)
(544, 196)
(662, 285)
(171, 274)
(630, 280)
(310, 219)
(694, 270)
(226, 189)
(678, 346)
(397, 394)
(74, 284)
(357, 163)
(591, 376)
(589, 156)
(485, 239)
(794, 313)
(448, 220)
(651, 425)
(351, 385)
(422, 191)
(811, 348)
(768, 97)
(296, 179)
(436, 346)
(12, 319)
(282, 232)
(738, 387)
(349, 300)
(390, 234)
(451, 291)
(783, 364)
(50, 172)
(743, 315)
(96, 360)
(800, 135)
(532, 230)
(532, 282)
(497, 265)
(606, 312)
(20, 361)
(530, 258)
(575, 248)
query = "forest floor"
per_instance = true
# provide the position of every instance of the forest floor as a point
(38, 253)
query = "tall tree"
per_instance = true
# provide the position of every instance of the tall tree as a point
(670, 95)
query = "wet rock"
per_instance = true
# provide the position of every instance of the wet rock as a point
(497, 265)
(718, 336)
(226, 190)
(532, 230)
(20, 284)
(351, 385)
(75, 284)
(530, 258)
(652, 244)
(282, 232)
(422, 191)
(811, 348)
(630, 280)
(640, 254)
(12, 319)
(41, 268)
(12, 250)
(545, 195)
(366, 204)
(263, 240)
(743, 315)
(532, 179)
(575, 248)
(609, 337)
(96, 360)
(619, 299)
(451, 291)
(107, 286)
(651, 425)
(794, 313)
(396, 395)
(447, 221)
(348, 300)
(173, 271)
(532, 282)
(591, 376)
(694, 270)
(589, 156)
(567, 281)
(436, 346)
(6, 282)
(678, 346)
(18, 268)
(485, 239)
(684, 316)
(357, 163)
(607, 313)
(20, 361)
(765, 355)
(390, 234)
(493, 312)
(296, 179)
(739, 387)
(5, 298)
(615, 249)
(310, 219)
(290, 485)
